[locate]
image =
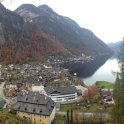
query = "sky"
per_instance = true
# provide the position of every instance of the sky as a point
(105, 18)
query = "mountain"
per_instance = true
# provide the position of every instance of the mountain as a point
(23, 41)
(74, 38)
(31, 33)
(10, 25)
(115, 47)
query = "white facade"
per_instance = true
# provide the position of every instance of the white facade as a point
(63, 98)
(52, 116)
(38, 89)
(81, 88)
(59, 96)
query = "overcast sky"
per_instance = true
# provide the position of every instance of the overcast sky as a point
(104, 17)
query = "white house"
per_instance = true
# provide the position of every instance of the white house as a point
(83, 89)
(37, 88)
(63, 94)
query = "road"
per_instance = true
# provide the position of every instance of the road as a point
(1, 90)
(2, 94)
(88, 114)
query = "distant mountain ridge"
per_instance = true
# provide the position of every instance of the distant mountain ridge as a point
(24, 41)
(74, 38)
(115, 47)
(10, 25)
(30, 33)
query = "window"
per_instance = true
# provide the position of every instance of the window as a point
(59, 100)
(71, 98)
(40, 111)
(34, 110)
(25, 108)
(66, 96)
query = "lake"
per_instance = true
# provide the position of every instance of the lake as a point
(100, 69)
(104, 72)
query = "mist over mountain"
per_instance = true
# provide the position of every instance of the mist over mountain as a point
(31, 33)
(115, 47)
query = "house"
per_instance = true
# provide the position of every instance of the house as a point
(11, 85)
(57, 106)
(38, 89)
(82, 89)
(108, 100)
(36, 107)
(9, 92)
(63, 94)
(106, 97)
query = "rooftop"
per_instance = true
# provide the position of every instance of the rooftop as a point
(34, 102)
(61, 90)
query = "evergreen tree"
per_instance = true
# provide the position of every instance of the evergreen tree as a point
(118, 93)
(117, 117)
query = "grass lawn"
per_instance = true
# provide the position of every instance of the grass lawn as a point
(8, 118)
(94, 107)
(59, 119)
(66, 107)
(104, 84)
(98, 107)
(91, 108)
(78, 107)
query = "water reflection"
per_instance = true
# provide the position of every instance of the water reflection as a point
(88, 69)
(99, 69)
(104, 73)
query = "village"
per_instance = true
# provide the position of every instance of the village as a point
(38, 91)
(61, 61)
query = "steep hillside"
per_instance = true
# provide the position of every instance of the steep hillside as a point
(31, 33)
(8, 118)
(74, 38)
(10, 25)
(23, 41)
